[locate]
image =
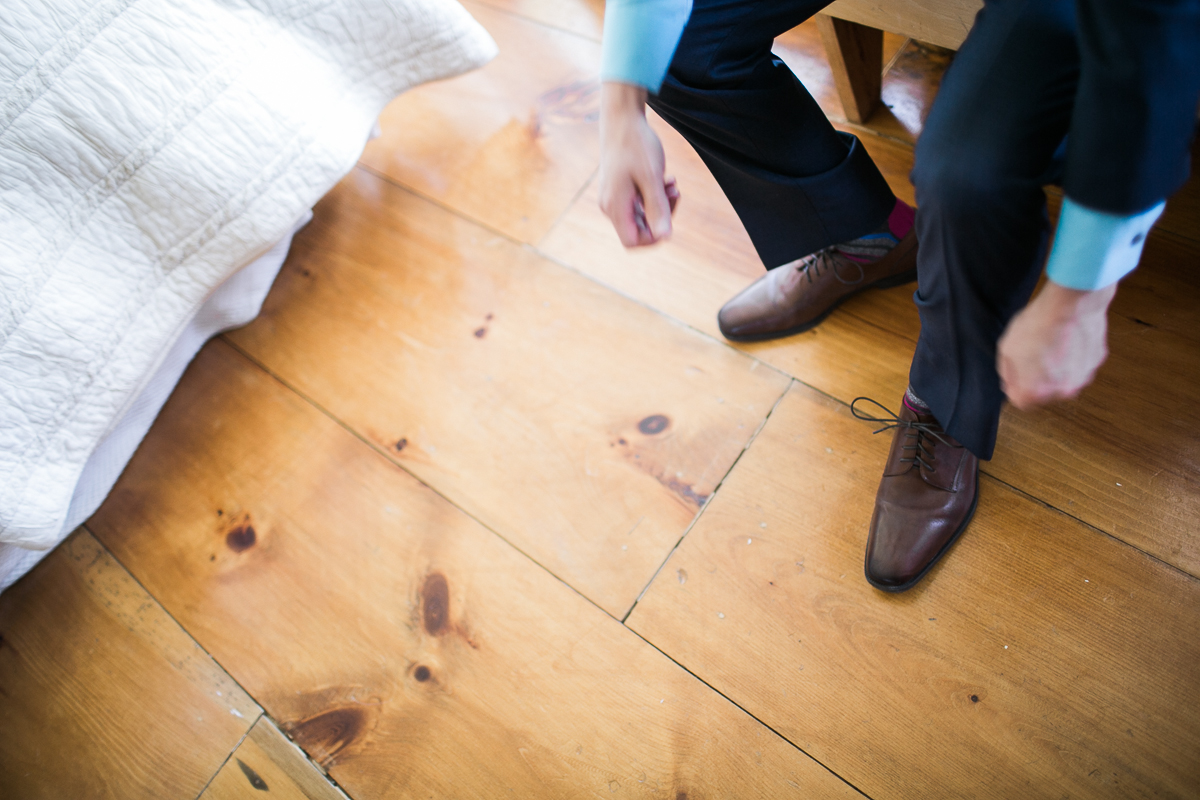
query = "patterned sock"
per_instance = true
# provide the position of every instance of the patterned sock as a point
(915, 403)
(878, 243)
(901, 220)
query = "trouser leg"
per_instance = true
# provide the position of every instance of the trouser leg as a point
(993, 138)
(796, 183)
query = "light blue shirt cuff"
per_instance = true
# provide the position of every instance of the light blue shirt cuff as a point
(1094, 249)
(640, 37)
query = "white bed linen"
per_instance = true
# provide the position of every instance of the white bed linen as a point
(148, 149)
(235, 303)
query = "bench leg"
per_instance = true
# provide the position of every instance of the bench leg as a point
(855, 55)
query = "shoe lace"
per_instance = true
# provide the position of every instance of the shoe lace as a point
(813, 265)
(919, 433)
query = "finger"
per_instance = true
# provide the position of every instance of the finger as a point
(672, 192)
(644, 236)
(1037, 396)
(1021, 399)
(1008, 383)
(1011, 384)
(658, 210)
(620, 210)
(625, 224)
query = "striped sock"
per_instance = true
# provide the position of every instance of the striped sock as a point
(878, 243)
(915, 403)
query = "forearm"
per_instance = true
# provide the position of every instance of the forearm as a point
(620, 101)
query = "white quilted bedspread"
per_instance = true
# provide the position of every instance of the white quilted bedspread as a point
(148, 149)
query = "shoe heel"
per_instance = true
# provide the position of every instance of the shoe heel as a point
(897, 280)
(904, 255)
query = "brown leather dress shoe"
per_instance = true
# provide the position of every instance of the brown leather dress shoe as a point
(927, 496)
(797, 296)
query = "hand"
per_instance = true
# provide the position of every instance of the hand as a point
(1053, 347)
(634, 194)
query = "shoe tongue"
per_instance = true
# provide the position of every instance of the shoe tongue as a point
(945, 458)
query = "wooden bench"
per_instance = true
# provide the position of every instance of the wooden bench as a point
(852, 31)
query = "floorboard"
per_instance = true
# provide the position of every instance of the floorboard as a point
(1040, 658)
(407, 508)
(909, 88)
(408, 650)
(710, 258)
(584, 428)
(584, 17)
(509, 145)
(1182, 216)
(103, 695)
(267, 765)
(1123, 457)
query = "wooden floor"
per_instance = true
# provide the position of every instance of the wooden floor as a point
(483, 506)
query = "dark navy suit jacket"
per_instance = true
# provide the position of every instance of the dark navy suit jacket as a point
(1135, 109)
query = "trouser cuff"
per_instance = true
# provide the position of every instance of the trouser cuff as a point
(788, 218)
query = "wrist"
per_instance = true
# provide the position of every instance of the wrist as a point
(621, 100)
(1064, 303)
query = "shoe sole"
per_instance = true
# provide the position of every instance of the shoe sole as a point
(908, 276)
(945, 548)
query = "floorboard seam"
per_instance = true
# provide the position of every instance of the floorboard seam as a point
(385, 455)
(1032, 497)
(567, 210)
(738, 706)
(261, 711)
(389, 180)
(834, 398)
(838, 400)
(320, 770)
(1182, 238)
(672, 319)
(536, 250)
(235, 747)
(1087, 524)
(850, 312)
(700, 512)
(895, 57)
(807, 385)
(534, 20)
